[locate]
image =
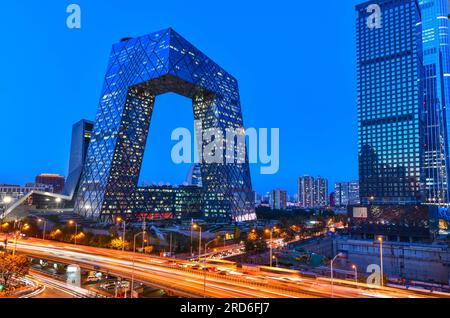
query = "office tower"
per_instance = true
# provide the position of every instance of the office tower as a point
(306, 192)
(81, 137)
(320, 192)
(188, 202)
(436, 60)
(194, 177)
(278, 200)
(139, 70)
(390, 99)
(53, 180)
(346, 193)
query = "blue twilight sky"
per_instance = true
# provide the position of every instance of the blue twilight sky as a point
(295, 62)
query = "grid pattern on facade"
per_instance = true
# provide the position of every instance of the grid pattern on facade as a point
(140, 69)
(389, 72)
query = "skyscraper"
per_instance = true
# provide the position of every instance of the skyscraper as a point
(278, 200)
(306, 192)
(390, 102)
(81, 136)
(312, 192)
(436, 58)
(403, 89)
(346, 193)
(194, 177)
(320, 192)
(139, 70)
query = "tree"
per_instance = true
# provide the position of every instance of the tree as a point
(119, 244)
(13, 266)
(148, 249)
(257, 246)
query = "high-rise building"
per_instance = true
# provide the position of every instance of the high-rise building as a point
(346, 193)
(320, 192)
(278, 200)
(188, 202)
(312, 192)
(194, 177)
(390, 102)
(54, 180)
(403, 91)
(436, 60)
(306, 192)
(139, 70)
(81, 137)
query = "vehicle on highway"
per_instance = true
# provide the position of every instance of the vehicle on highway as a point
(93, 279)
(221, 263)
(108, 285)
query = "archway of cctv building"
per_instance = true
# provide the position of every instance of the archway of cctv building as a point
(139, 70)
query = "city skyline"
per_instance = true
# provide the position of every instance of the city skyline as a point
(77, 98)
(152, 157)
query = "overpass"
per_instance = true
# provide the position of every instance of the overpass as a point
(175, 276)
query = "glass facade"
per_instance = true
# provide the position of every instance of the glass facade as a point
(306, 192)
(390, 97)
(435, 24)
(139, 69)
(346, 193)
(81, 137)
(312, 192)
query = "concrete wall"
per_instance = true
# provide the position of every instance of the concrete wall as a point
(321, 246)
(422, 262)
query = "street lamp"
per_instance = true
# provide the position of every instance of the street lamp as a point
(45, 226)
(355, 268)
(195, 227)
(72, 222)
(7, 200)
(134, 252)
(332, 274)
(192, 229)
(120, 220)
(24, 227)
(276, 260)
(270, 231)
(206, 248)
(380, 239)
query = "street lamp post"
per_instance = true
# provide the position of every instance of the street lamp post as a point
(196, 226)
(134, 252)
(332, 274)
(21, 228)
(270, 245)
(206, 248)
(120, 220)
(380, 239)
(276, 260)
(45, 227)
(72, 222)
(355, 268)
(192, 239)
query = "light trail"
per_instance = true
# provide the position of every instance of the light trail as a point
(159, 273)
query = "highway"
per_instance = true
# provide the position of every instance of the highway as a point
(169, 274)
